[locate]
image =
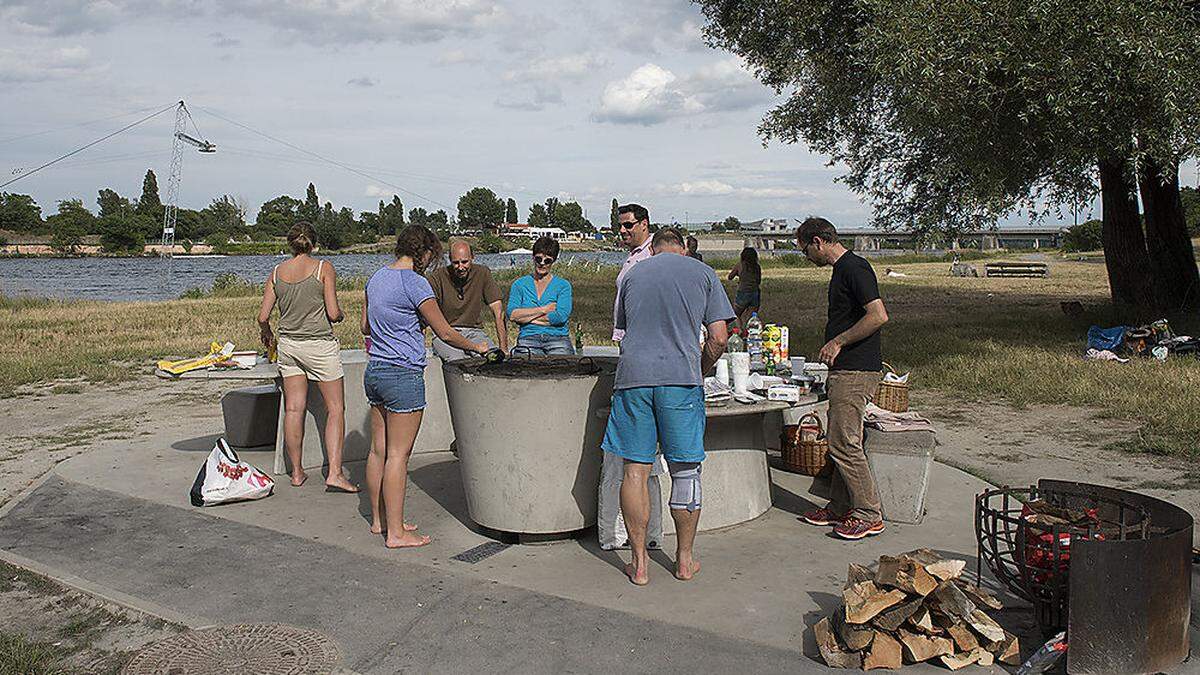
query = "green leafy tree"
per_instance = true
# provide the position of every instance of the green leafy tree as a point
(277, 216)
(1086, 236)
(112, 204)
(419, 216)
(391, 216)
(226, 216)
(331, 232)
(190, 225)
(150, 205)
(69, 225)
(310, 210)
(569, 216)
(950, 115)
(439, 220)
(1191, 209)
(614, 221)
(19, 213)
(538, 216)
(732, 224)
(121, 232)
(480, 207)
(510, 211)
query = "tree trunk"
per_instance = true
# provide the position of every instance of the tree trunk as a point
(1125, 254)
(1176, 279)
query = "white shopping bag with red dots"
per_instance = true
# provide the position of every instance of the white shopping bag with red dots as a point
(226, 478)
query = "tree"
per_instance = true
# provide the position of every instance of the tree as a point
(949, 115)
(569, 216)
(69, 225)
(439, 219)
(1191, 208)
(149, 205)
(510, 211)
(121, 232)
(19, 213)
(419, 216)
(310, 210)
(538, 216)
(225, 216)
(614, 220)
(112, 204)
(480, 207)
(391, 216)
(277, 216)
(1086, 236)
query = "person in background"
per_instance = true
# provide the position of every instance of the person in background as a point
(634, 221)
(398, 303)
(693, 248)
(461, 290)
(749, 275)
(658, 394)
(540, 303)
(853, 352)
(305, 291)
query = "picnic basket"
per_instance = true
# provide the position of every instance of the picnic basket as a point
(892, 396)
(804, 455)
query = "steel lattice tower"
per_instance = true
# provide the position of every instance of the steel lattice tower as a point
(171, 207)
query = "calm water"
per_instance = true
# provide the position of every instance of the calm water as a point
(148, 278)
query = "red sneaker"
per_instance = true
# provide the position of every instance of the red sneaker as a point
(823, 517)
(853, 528)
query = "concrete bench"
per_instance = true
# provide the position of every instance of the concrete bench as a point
(251, 416)
(1017, 269)
(901, 462)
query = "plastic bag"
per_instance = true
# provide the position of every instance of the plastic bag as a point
(1106, 338)
(610, 524)
(225, 478)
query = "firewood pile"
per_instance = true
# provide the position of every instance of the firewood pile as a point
(912, 608)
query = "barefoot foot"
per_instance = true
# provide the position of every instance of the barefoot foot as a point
(298, 479)
(407, 540)
(640, 577)
(379, 529)
(340, 484)
(685, 572)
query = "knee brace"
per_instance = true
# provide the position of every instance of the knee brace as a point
(685, 485)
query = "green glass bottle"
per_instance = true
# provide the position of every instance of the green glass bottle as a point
(578, 336)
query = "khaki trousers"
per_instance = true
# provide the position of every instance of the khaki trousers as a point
(852, 485)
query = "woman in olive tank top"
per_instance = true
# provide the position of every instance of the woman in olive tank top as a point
(304, 290)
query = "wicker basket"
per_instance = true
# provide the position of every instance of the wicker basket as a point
(806, 456)
(892, 396)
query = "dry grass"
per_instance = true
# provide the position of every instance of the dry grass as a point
(979, 338)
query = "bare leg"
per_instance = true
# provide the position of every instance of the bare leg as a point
(335, 432)
(295, 402)
(401, 434)
(635, 506)
(686, 565)
(375, 461)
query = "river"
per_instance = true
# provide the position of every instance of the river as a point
(125, 279)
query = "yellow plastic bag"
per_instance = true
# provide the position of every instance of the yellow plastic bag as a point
(216, 354)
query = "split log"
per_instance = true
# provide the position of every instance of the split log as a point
(924, 556)
(979, 596)
(858, 574)
(945, 570)
(865, 600)
(831, 652)
(963, 638)
(959, 661)
(905, 574)
(988, 629)
(1008, 651)
(891, 618)
(918, 648)
(923, 621)
(952, 602)
(855, 636)
(886, 652)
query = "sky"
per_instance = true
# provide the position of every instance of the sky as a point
(427, 98)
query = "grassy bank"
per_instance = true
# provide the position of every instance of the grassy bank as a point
(979, 338)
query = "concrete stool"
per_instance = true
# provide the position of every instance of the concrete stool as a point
(901, 461)
(251, 416)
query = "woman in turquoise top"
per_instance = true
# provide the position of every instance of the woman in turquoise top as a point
(540, 303)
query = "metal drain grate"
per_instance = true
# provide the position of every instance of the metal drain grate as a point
(241, 648)
(474, 555)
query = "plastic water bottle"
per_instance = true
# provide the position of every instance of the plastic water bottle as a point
(754, 342)
(735, 343)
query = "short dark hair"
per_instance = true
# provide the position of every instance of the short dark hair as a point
(546, 246)
(639, 212)
(301, 238)
(667, 235)
(692, 243)
(413, 241)
(816, 227)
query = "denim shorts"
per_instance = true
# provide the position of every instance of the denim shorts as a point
(746, 299)
(397, 389)
(645, 419)
(540, 344)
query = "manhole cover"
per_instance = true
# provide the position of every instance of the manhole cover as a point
(242, 648)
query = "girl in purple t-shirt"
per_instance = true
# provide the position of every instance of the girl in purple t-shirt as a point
(397, 306)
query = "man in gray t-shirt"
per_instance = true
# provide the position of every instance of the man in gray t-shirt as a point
(658, 397)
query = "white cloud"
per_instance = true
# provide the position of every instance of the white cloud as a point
(652, 95)
(362, 82)
(320, 22)
(534, 99)
(38, 65)
(719, 188)
(456, 57)
(570, 67)
(224, 41)
(376, 191)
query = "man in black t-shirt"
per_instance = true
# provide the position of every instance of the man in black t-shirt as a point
(852, 350)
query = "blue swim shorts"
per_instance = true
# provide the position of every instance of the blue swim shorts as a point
(644, 419)
(397, 389)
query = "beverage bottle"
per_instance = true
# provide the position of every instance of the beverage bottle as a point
(754, 341)
(735, 343)
(578, 336)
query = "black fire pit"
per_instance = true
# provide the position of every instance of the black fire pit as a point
(1110, 566)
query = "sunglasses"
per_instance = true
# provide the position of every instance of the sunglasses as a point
(629, 225)
(543, 259)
